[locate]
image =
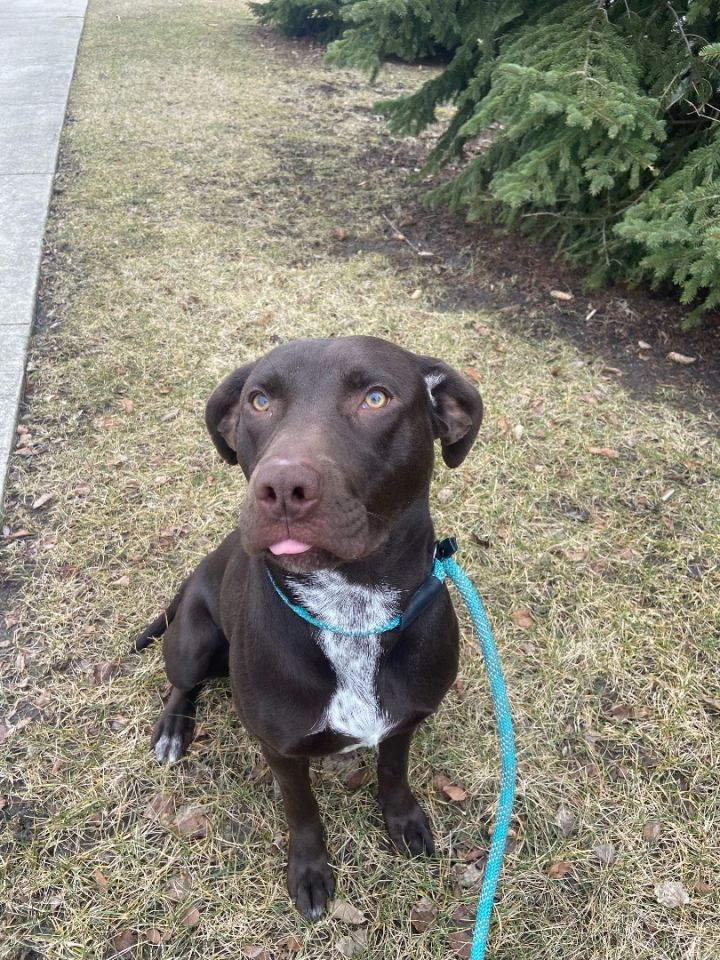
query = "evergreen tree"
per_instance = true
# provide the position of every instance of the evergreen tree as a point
(298, 18)
(602, 116)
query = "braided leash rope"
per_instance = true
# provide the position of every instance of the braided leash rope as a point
(508, 758)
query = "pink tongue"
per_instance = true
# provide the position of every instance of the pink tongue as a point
(289, 546)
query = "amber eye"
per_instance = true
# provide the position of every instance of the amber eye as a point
(376, 399)
(260, 401)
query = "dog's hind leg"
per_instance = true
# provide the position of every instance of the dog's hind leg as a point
(194, 649)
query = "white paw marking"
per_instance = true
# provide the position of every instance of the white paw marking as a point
(354, 709)
(168, 749)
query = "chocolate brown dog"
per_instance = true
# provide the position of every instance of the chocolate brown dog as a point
(335, 438)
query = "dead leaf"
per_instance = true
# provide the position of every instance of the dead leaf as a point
(162, 478)
(560, 295)
(255, 951)
(122, 581)
(100, 879)
(559, 869)
(606, 853)
(564, 821)
(346, 913)
(83, 489)
(161, 807)
(291, 944)
(701, 886)
(644, 345)
(190, 822)
(423, 915)
(337, 233)
(125, 940)
(351, 944)
(651, 831)
(154, 936)
(179, 887)
(522, 618)
(712, 702)
(416, 294)
(191, 918)
(116, 459)
(445, 494)
(517, 432)
(105, 670)
(42, 500)
(461, 943)
(170, 415)
(472, 374)
(454, 792)
(603, 452)
(470, 874)
(358, 778)
(474, 854)
(446, 789)
(503, 425)
(681, 358)
(671, 894)
(127, 406)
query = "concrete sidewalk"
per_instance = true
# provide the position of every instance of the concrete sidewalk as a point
(38, 44)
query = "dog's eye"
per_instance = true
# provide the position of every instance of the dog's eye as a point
(376, 399)
(260, 401)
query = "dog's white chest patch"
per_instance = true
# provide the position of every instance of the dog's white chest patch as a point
(354, 709)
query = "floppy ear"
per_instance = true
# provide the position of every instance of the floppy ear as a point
(223, 412)
(457, 409)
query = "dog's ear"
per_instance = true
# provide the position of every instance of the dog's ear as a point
(223, 412)
(457, 409)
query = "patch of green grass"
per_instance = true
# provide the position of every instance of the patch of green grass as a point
(207, 165)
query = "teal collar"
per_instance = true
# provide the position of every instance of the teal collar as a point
(422, 598)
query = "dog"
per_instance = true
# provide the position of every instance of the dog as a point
(336, 440)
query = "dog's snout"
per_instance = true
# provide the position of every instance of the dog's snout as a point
(287, 489)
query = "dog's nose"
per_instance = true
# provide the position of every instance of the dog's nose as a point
(287, 489)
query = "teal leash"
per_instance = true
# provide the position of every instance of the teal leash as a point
(445, 566)
(508, 758)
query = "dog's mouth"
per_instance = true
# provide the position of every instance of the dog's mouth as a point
(343, 533)
(301, 556)
(284, 548)
(294, 556)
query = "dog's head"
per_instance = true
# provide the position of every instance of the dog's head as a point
(336, 439)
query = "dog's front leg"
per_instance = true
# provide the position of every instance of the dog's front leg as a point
(310, 878)
(404, 817)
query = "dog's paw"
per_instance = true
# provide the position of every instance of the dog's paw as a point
(409, 829)
(171, 737)
(311, 885)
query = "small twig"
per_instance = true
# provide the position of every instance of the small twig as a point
(399, 235)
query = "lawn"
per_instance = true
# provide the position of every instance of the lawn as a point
(222, 190)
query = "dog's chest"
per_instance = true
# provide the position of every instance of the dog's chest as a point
(354, 709)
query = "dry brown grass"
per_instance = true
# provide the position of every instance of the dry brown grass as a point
(205, 169)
